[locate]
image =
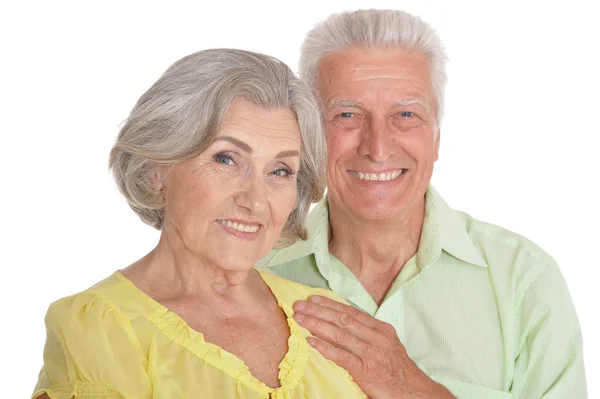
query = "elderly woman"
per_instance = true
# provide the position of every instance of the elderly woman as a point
(224, 155)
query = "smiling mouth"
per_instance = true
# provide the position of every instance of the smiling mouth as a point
(384, 176)
(247, 228)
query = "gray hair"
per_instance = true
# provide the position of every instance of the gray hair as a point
(180, 115)
(375, 28)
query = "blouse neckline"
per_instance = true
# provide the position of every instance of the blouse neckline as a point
(291, 367)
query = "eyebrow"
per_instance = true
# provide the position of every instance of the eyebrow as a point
(288, 153)
(356, 104)
(238, 143)
(344, 103)
(401, 103)
(245, 147)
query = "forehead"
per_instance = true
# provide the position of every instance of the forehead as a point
(248, 121)
(374, 75)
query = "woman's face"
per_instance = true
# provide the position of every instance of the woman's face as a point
(228, 205)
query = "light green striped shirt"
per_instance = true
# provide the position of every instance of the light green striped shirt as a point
(481, 310)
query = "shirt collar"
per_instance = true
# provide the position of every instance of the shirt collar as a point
(452, 229)
(443, 229)
(317, 242)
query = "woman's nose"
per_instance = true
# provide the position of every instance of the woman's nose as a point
(252, 197)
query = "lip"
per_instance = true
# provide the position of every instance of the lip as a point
(242, 235)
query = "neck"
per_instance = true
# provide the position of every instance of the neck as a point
(171, 271)
(375, 250)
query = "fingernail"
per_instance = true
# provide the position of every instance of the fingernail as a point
(299, 317)
(299, 305)
(311, 341)
(315, 299)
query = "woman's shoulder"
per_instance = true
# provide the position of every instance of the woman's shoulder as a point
(91, 344)
(293, 291)
(109, 298)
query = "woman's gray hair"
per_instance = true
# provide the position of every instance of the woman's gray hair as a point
(375, 28)
(180, 116)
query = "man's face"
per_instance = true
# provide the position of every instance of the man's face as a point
(381, 131)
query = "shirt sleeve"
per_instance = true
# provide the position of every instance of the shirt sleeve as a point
(549, 362)
(91, 352)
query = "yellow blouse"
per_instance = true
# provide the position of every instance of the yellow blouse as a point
(114, 341)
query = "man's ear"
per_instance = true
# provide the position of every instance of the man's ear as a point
(437, 144)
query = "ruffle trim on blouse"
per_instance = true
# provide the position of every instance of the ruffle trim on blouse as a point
(291, 367)
(68, 390)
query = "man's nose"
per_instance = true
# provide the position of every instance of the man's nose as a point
(376, 142)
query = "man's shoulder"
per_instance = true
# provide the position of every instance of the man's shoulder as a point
(302, 269)
(489, 234)
(301, 252)
(506, 250)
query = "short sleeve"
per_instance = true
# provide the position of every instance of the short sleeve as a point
(549, 363)
(91, 352)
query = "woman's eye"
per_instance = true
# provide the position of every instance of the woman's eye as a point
(224, 159)
(407, 114)
(282, 172)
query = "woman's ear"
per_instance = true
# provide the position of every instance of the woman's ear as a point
(157, 180)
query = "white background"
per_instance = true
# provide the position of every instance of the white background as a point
(519, 140)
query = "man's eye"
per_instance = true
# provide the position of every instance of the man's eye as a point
(407, 114)
(224, 159)
(347, 115)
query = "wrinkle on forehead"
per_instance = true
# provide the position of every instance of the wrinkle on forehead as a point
(261, 129)
(368, 64)
(376, 79)
(262, 142)
(379, 72)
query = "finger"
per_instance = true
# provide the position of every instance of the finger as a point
(340, 337)
(340, 307)
(342, 319)
(339, 356)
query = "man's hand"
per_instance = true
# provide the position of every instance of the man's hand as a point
(368, 348)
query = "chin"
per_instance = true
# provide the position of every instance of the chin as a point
(376, 209)
(234, 262)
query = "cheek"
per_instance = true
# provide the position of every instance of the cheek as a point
(282, 204)
(420, 144)
(192, 200)
(341, 142)
(187, 207)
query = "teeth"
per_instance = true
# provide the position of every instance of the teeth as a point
(378, 177)
(248, 228)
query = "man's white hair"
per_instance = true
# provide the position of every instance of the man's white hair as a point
(375, 28)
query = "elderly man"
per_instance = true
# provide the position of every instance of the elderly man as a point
(450, 305)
